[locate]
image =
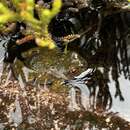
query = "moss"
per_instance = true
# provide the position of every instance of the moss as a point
(24, 12)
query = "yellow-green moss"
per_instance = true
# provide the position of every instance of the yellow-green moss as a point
(25, 13)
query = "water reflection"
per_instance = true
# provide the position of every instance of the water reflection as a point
(46, 89)
(85, 104)
(109, 54)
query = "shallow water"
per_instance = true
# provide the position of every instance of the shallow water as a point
(122, 107)
(41, 100)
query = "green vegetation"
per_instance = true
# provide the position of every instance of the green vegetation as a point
(23, 11)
